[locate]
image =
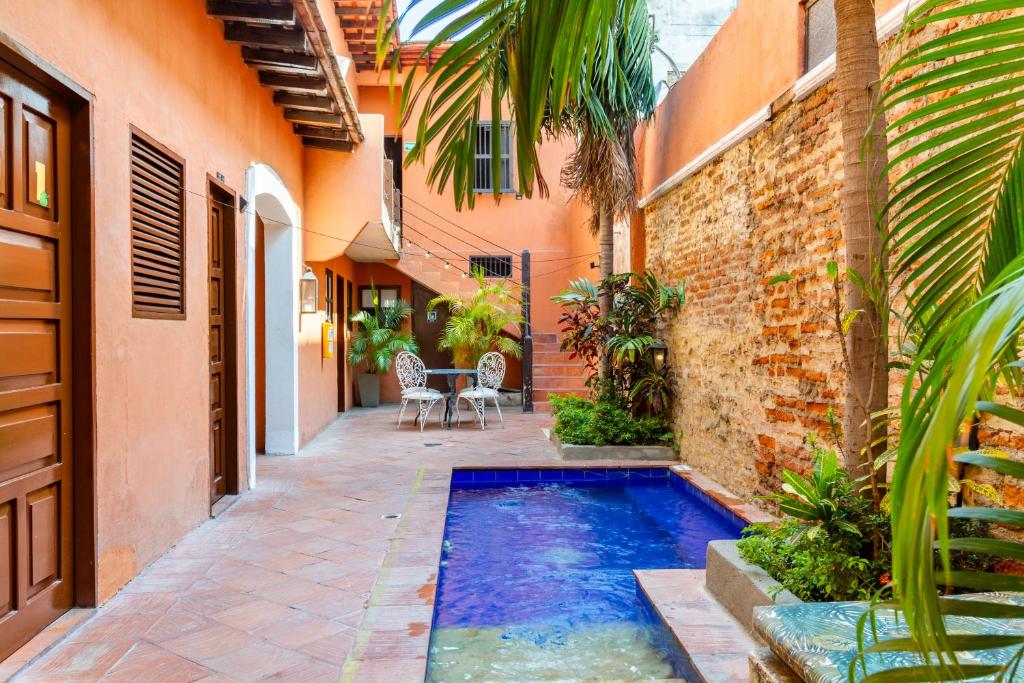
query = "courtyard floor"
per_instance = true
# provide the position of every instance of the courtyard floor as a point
(325, 572)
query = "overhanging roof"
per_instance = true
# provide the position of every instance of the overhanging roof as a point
(286, 41)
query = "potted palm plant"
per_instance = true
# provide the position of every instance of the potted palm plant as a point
(378, 338)
(478, 323)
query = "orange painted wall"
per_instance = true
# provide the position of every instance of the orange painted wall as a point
(318, 376)
(164, 67)
(754, 58)
(343, 191)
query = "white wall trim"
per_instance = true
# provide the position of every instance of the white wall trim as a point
(888, 25)
(268, 197)
(740, 133)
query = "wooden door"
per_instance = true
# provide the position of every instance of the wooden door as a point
(427, 329)
(223, 390)
(36, 576)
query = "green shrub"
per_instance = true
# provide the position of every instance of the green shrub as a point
(605, 423)
(814, 567)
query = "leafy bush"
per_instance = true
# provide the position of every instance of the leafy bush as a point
(814, 567)
(605, 422)
(833, 546)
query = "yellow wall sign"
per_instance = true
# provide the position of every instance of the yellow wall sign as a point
(328, 340)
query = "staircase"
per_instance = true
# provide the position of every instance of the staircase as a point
(431, 273)
(554, 373)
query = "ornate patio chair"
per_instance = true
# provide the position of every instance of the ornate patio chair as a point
(490, 372)
(412, 375)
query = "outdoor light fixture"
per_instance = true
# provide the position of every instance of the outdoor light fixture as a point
(659, 352)
(308, 291)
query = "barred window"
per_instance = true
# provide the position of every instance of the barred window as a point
(483, 178)
(492, 266)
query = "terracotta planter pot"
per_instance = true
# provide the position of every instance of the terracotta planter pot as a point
(369, 389)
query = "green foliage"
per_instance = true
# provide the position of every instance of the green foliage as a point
(824, 550)
(477, 324)
(379, 336)
(956, 242)
(814, 567)
(623, 338)
(605, 422)
(560, 68)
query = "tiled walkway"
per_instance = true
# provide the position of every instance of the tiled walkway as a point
(325, 572)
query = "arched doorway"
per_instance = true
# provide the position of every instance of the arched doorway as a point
(273, 216)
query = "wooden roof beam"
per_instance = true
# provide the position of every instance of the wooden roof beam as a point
(308, 131)
(251, 13)
(288, 61)
(313, 85)
(315, 117)
(266, 36)
(310, 102)
(334, 145)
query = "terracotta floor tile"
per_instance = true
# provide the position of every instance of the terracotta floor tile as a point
(256, 660)
(147, 662)
(213, 640)
(299, 629)
(278, 584)
(253, 615)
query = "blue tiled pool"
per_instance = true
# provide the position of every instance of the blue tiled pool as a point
(536, 575)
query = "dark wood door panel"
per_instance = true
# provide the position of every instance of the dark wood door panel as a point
(35, 360)
(223, 400)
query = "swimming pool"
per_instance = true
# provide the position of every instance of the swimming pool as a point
(536, 575)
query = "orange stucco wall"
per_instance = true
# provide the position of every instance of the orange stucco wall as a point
(754, 58)
(164, 67)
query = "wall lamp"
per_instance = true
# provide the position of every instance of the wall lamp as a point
(308, 294)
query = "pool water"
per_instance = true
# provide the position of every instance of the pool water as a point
(536, 577)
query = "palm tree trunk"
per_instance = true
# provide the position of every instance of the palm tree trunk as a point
(863, 195)
(606, 242)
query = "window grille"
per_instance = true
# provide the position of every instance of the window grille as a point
(492, 266)
(483, 180)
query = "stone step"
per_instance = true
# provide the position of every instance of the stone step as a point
(545, 338)
(717, 646)
(568, 383)
(558, 370)
(543, 407)
(553, 358)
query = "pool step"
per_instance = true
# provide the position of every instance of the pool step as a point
(716, 644)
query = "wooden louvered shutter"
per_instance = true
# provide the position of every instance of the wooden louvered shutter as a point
(158, 230)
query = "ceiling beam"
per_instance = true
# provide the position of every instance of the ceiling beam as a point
(307, 131)
(291, 61)
(314, 85)
(311, 102)
(320, 117)
(252, 13)
(265, 36)
(335, 145)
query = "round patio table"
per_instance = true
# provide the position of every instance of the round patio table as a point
(452, 375)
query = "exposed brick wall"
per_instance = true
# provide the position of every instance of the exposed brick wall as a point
(757, 365)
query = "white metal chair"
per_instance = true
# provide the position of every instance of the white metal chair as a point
(490, 373)
(412, 375)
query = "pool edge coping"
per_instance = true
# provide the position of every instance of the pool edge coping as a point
(418, 541)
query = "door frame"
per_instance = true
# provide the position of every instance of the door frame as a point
(216, 186)
(83, 360)
(340, 328)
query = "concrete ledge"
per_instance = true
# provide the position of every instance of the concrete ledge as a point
(630, 453)
(716, 646)
(741, 586)
(765, 667)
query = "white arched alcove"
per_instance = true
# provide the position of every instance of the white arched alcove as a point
(270, 199)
